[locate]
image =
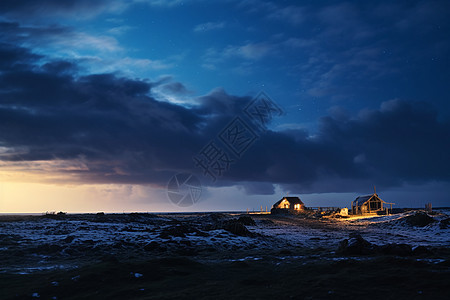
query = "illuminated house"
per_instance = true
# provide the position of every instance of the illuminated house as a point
(288, 205)
(370, 204)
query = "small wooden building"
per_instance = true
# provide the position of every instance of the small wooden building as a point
(288, 205)
(370, 204)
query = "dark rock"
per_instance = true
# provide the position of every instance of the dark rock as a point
(445, 223)
(285, 252)
(267, 222)
(82, 248)
(236, 228)
(118, 245)
(186, 251)
(419, 219)
(52, 248)
(396, 249)
(246, 220)
(212, 221)
(235, 247)
(202, 233)
(68, 239)
(56, 216)
(342, 248)
(217, 217)
(355, 235)
(48, 248)
(9, 239)
(356, 245)
(174, 222)
(153, 245)
(129, 229)
(179, 230)
(70, 251)
(109, 258)
(421, 251)
(240, 264)
(398, 210)
(186, 242)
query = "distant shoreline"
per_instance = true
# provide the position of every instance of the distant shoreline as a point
(176, 213)
(129, 212)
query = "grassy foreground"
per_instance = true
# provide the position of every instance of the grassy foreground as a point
(183, 278)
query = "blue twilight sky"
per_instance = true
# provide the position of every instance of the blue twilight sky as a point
(106, 100)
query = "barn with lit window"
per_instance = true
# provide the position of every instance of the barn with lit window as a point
(288, 205)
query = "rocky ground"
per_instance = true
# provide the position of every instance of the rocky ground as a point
(215, 255)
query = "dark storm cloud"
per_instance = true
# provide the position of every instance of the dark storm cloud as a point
(32, 8)
(399, 143)
(109, 122)
(364, 47)
(49, 112)
(13, 57)
(258, 188)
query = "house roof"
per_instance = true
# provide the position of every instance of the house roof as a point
(291, 200)
(362, 199)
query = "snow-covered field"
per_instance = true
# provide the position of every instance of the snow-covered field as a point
(395, 229)
(33, 243)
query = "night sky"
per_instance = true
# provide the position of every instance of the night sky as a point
(103, 102)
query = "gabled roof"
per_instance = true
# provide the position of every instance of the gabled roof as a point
(362, 199)
(291, 200)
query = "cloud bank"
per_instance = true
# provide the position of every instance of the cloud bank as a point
(104, 128)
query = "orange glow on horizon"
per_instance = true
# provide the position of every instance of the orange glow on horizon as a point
(18, 197)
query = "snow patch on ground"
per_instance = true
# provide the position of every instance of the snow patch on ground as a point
(42, 244)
